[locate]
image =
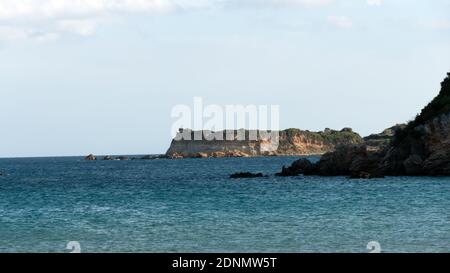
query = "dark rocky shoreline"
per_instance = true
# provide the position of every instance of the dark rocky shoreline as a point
(352, 161)
(247, 175)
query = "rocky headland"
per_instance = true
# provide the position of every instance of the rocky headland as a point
(419, 148)
(291, 142)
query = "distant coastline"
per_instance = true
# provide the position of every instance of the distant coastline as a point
(292, 142)
(92, 157)
(289, 142)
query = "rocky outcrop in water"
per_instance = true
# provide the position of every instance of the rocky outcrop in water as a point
(422, 147)
(246, 175)
(352, 160)
(300, 166)
(90, 157)
(290, 142)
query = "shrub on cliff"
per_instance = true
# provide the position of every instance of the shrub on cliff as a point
(343, 137)
(439, 105)
(331, 137)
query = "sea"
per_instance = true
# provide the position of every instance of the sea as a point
(191, 205)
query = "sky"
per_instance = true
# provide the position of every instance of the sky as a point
(102, 76)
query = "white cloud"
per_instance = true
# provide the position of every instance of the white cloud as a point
(20, 33)
(14, 33)
(14, 9)
(340, 21)
(80, 27)
(305, 3)
(374, 2)
(442, 24)
(46, 37)
(48, 9)
(53, 18)
(24, 19)
(274, 3)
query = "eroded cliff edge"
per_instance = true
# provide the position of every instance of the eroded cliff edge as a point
(422, 147)
(290, 142)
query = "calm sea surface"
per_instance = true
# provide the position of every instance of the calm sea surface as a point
(192, 206)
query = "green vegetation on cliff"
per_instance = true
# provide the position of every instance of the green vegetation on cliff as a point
(328, 136)
(438, 106)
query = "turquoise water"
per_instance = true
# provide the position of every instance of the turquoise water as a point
(192, 206)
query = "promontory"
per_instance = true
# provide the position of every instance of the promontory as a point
(290, 142)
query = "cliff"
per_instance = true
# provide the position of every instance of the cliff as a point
(422, 147)
(290, 142)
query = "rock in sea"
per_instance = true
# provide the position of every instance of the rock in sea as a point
(298, 167)
(246, 175)
(90, 157)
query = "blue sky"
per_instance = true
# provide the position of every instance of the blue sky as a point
(96, 76)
